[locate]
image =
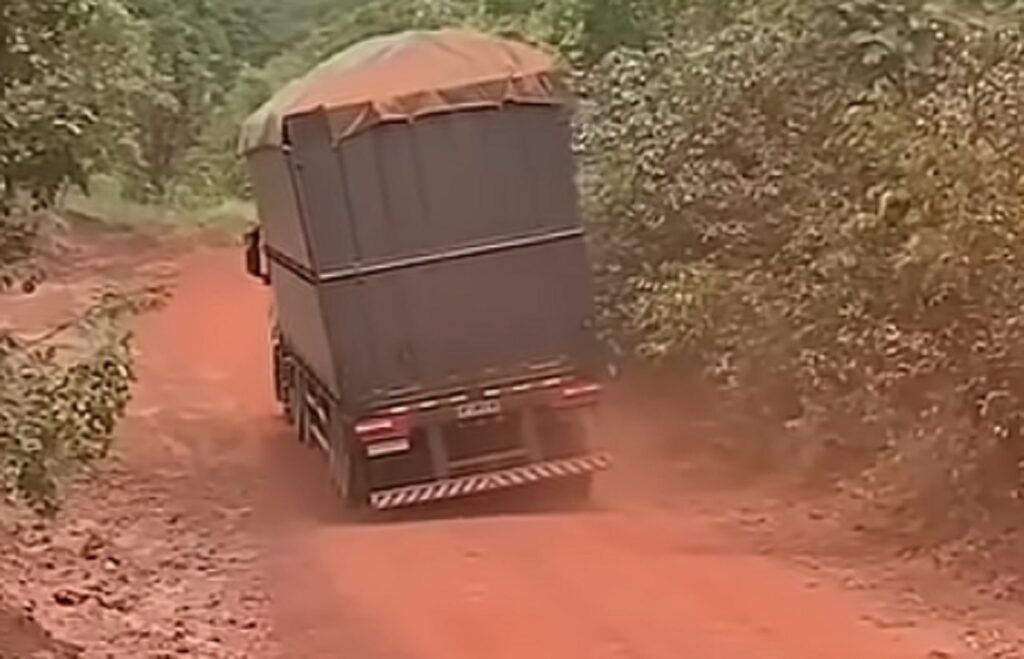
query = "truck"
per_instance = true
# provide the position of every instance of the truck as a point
(419, 227)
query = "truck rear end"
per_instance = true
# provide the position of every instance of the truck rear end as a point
(506, 435)
(434, 312)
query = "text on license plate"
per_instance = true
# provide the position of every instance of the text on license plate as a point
(478, 409)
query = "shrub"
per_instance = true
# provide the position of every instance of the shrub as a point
(822, 213)
(61, 395)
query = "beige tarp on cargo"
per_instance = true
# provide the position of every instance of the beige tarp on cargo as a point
(408, 75)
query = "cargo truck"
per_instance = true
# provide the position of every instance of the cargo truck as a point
(433, 328)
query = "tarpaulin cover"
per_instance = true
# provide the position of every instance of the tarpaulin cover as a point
(406, 75)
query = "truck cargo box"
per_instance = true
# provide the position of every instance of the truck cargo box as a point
(420, 254)
(433, 299)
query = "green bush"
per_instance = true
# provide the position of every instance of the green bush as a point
(61, 395)
(822, 213)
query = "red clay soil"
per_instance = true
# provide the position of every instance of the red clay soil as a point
(625, 578)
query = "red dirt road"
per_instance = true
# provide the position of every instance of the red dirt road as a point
(623, 579)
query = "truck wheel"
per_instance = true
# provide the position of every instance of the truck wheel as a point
(575, 489)
(297, 409)
(348, 475)
(278, 374)
(282, 391)
(582, 487)
(288, 411)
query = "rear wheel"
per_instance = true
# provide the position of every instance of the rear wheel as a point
(290, 404)
(277, 364)
(298, 409)
(581, 487)
(284, 383)
(348, 474)
(563, 434)
(574, 489)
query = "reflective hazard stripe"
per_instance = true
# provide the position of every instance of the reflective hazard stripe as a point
(496, 480)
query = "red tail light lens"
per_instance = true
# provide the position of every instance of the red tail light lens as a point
(581, 390)
(578, 394)
(371, 430)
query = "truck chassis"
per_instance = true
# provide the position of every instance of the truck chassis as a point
(446, 444)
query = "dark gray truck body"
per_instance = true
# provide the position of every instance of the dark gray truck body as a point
(431, 255)
(434, 321)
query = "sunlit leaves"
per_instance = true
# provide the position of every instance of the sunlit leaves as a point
(66, 67)
(822, 212)
(61, 395)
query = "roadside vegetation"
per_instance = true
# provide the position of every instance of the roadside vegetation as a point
(67, 70)
(817, 208)
(810, 209)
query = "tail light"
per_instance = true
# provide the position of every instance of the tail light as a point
(579, 393)
(580, 390)
(372, 430)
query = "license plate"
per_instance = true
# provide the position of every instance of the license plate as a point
(387, 447)
(478, 409)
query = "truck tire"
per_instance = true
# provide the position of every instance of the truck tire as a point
(573, 490)
(297, 408)
(282, 391)
(277, 363)
(581, 488)
(348, 475)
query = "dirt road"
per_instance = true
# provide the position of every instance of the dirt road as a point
(623, 579)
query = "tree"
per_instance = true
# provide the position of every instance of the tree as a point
(193, 63)
(261, 29)
(215, 170)
(819, 213)
(67, 68)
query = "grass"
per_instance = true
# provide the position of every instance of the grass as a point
(107, 204)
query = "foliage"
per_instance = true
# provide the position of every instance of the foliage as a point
(66, 68)
(193, 62)
(582, 31)
(59, 402)
(199, 49)
(215, 169)
(260, 29)
(579, 29)
(821, 213)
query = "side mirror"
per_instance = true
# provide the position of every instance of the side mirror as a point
(254, 256)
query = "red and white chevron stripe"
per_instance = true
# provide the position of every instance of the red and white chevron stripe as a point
(495, 480)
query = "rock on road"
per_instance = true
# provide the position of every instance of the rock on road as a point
(621, 579)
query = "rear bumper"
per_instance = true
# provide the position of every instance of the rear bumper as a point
(453, 488)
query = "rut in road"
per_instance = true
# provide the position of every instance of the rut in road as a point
(623, 579)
